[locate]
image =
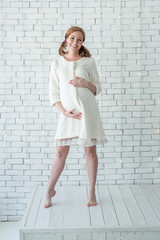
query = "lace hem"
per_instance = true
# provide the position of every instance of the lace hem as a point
(76, 141)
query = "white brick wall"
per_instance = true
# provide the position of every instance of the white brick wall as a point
(31, 32)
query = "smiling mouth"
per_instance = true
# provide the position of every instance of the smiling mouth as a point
(73, 46)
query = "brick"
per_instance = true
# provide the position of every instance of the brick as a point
(8, 212)
(2, 195)
(16, 195)
(114, 177)
(75, 178)
(70, 172)
(7, 189)
(125, 171)
(151, 176)
(38, 179)
(124, 181)
(132, 176)
(33, 173)
(16, 206)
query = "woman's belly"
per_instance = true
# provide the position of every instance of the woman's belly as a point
(75, 97)
(79, 99)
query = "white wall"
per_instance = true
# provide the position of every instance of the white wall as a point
(126, 50)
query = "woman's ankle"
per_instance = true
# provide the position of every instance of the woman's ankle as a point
(50, 192)
(92, 189)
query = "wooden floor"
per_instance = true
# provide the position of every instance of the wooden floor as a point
(124, 212)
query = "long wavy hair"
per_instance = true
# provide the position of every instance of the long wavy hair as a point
(83, 51)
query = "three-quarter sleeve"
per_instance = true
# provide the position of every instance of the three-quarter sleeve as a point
(94, 77)
(54, 90)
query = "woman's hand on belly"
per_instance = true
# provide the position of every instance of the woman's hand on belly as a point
(78, 82)
(73, 115)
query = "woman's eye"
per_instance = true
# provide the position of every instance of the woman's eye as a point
(78, 39)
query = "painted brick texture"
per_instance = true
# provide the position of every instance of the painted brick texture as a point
(123, 37)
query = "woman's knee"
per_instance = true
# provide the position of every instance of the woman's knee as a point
(62, 152)
(90, 152)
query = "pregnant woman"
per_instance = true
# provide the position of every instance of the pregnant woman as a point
(73, 85)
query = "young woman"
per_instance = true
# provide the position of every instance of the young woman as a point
(73, 85)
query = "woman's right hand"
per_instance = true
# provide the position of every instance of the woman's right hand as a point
(71, 114)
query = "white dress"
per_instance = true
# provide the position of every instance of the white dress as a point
(89, 130)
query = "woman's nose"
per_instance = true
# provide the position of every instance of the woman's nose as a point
(75, 41)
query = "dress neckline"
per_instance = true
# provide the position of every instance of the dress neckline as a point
(72, 60)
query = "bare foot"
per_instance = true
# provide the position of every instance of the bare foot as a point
(92, 200)
(48, 199)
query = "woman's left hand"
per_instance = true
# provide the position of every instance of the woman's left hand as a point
(78, 82)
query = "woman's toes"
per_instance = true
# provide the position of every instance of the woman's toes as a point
(48, 199)
(90, 204)
(47, 204)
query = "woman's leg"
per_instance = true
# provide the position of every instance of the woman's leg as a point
(57, 168)
(92, 165)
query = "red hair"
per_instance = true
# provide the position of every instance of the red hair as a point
(83, 51)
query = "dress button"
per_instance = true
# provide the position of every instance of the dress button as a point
(71, 69)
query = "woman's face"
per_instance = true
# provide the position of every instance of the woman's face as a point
(74, 41)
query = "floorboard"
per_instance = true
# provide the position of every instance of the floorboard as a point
(147, 210)
(120, 207)
(132, 206)
(124, 212)
(108, 210)
(152, 198)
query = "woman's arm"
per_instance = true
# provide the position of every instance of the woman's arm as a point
(80, 82)
(69, 113)
(91, 86)
(60, 107)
